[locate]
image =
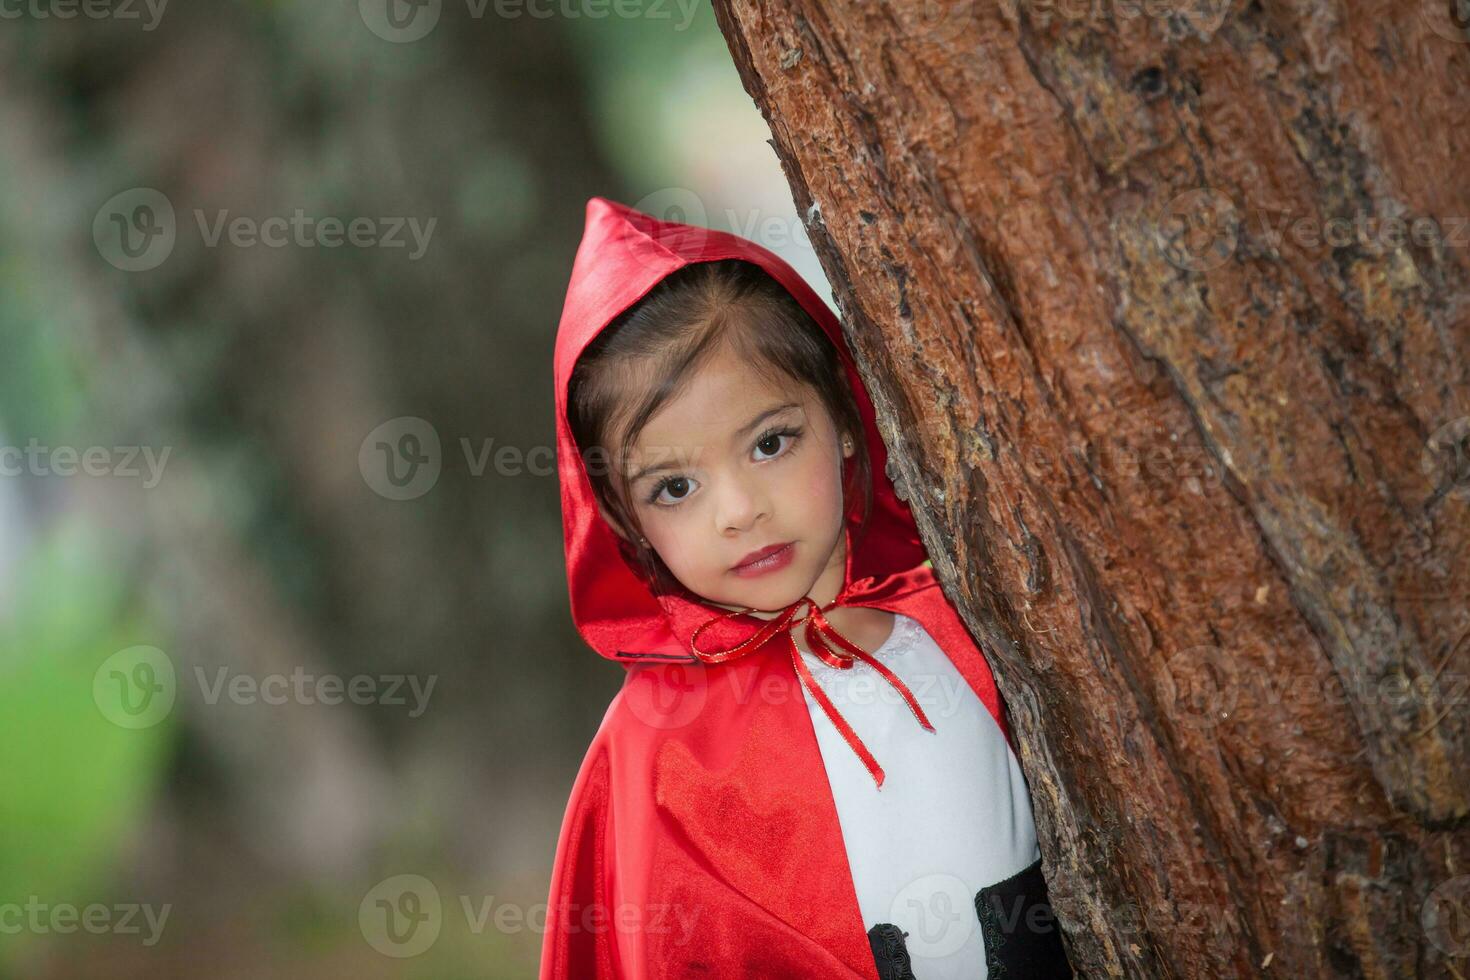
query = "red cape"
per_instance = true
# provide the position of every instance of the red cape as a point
(701, 838)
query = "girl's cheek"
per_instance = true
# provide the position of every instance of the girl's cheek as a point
(822, 482)
(665, 525)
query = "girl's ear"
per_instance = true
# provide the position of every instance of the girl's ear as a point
(848, 445)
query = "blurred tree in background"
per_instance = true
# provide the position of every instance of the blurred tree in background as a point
(246, 365)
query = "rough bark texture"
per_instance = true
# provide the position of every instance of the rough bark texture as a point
(1195, 476)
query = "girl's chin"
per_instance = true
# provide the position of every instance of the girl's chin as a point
(772, 597)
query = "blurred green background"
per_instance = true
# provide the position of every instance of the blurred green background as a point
(193, 531)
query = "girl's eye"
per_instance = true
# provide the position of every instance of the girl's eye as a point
(770, 442)
(678, 487)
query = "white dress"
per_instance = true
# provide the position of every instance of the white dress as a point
(953, 814)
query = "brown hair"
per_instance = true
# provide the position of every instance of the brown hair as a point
(659, 341)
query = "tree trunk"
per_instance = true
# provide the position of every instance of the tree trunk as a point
(1166, 314)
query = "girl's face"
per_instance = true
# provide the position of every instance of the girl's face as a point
(732, 466)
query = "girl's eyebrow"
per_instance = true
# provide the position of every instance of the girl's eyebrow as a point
(743, 430)
(750, 426)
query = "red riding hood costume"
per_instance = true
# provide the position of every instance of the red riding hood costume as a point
(701, 837)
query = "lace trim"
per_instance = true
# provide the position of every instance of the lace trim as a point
(904, 634)
(890, 952)
(995, 938)
(1021, 949)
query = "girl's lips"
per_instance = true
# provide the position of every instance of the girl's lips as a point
(773, 562)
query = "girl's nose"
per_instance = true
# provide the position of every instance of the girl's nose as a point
(742, 504)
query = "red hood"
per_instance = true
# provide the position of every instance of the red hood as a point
(625, 253)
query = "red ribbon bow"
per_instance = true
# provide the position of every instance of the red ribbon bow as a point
(818, 634)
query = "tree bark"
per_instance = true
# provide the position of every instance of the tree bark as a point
(1184, 423)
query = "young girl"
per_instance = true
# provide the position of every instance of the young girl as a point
(807, 772)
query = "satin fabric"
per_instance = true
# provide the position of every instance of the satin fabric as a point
(701, 838)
